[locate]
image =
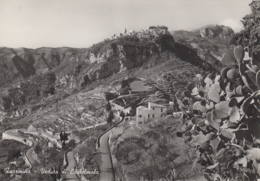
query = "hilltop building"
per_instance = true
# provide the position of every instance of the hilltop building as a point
(153, 32)
(158, 30)
(153, 111)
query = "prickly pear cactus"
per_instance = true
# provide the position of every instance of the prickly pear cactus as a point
(224, 119)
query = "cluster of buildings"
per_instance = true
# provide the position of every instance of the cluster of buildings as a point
(143, 114)
(151, 33)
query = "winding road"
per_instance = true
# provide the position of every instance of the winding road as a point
(106, 168)
(14, 134)
(29, 153)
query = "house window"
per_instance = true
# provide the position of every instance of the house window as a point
(161, 109)
(140, 116)
(148, 115)
(153, 115)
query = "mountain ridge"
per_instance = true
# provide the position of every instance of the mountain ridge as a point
(52, 70)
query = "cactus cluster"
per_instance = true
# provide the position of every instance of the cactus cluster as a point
(224, 119)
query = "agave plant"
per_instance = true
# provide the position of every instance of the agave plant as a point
(224, 119)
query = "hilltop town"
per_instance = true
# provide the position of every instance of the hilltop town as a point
(152, 33)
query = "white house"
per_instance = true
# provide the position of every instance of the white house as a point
(153, 111)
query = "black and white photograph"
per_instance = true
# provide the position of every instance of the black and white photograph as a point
(130, 90)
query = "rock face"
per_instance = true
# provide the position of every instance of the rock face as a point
(124, 54)
(214, 31)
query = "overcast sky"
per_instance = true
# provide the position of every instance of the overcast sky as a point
(81, 23)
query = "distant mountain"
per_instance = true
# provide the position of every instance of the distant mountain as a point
(215, 31)
(210, 42)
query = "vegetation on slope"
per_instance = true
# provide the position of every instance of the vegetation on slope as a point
(224, 112)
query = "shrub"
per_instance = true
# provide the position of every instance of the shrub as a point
(249, 36)
(14, 153)
(224, 114)
(110, 96)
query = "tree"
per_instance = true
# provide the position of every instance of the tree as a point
(122, 115)
(249, 36)
(128, 152)
(108, 106)
(71, 144)
(64, 136)
(110, 117)
(37, 149)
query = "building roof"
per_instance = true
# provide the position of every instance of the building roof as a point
(151, 105)
(142, 108)
(156, 105)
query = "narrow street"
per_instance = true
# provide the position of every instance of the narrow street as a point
(29, 152)
(106, 166)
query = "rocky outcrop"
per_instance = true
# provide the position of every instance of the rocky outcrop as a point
(214, 31)
(110, 57)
